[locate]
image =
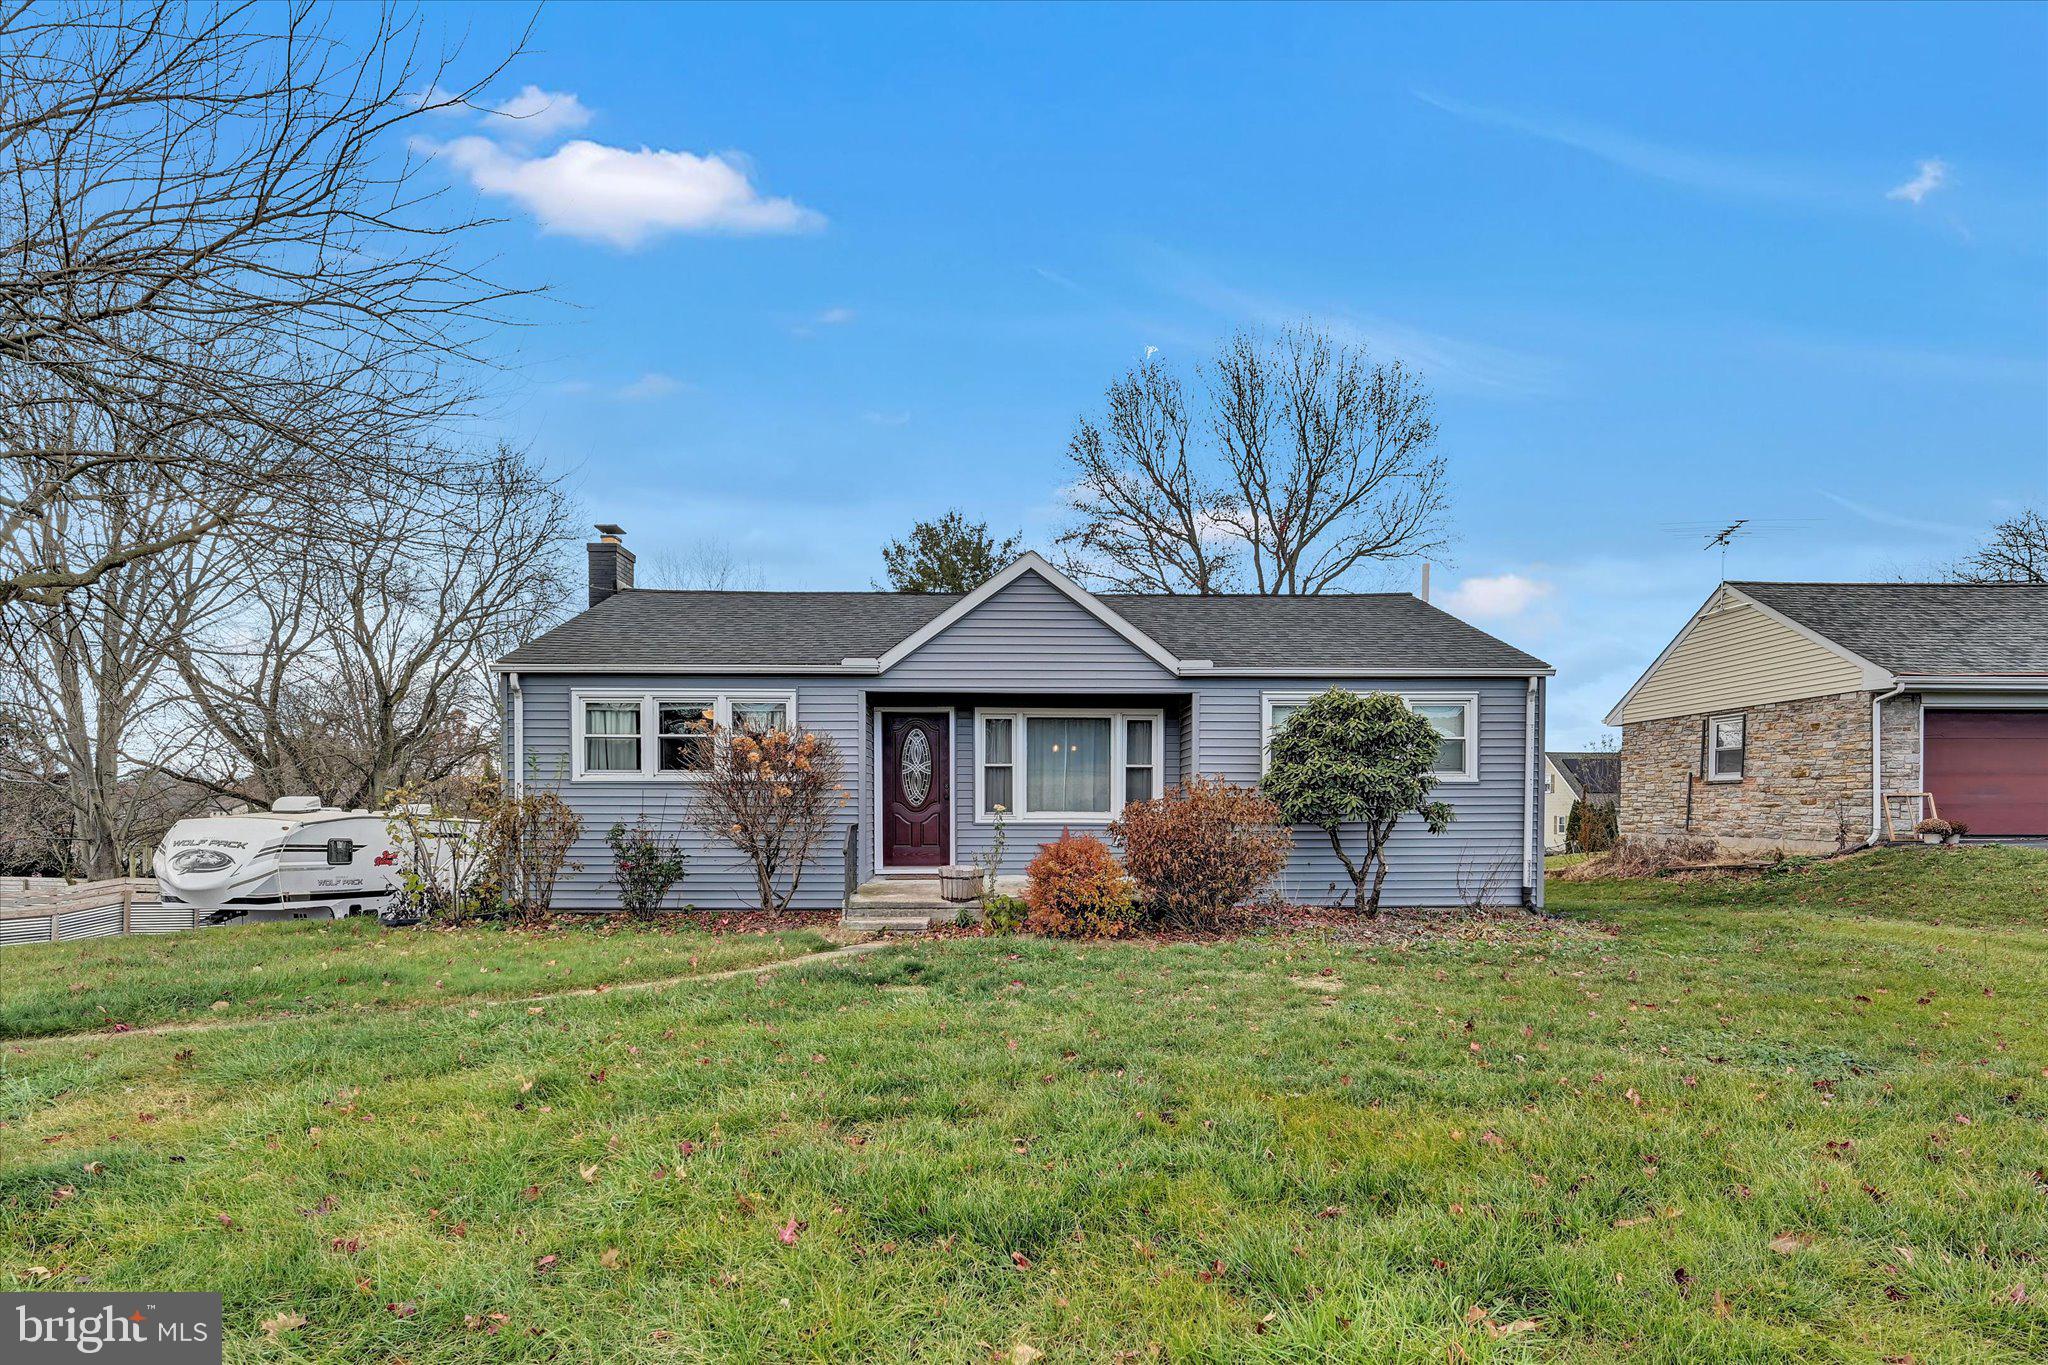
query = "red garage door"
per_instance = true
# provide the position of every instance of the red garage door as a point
(1990, 769)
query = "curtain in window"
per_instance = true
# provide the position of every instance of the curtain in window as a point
(1067, 763)
(1449, 721)
(611, 737)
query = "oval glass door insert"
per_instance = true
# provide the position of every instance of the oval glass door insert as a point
(916, 764)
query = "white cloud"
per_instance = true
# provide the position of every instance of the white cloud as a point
(650, 385)
(624, 197)
(835, 317)
(1678, 165)
(538, 113)
(1495, 598)
(886, 419)
(1933, 175)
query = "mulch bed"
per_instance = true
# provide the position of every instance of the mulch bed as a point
(1389, 926)
(756, 922)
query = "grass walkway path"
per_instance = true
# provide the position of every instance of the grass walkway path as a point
(475, 1003)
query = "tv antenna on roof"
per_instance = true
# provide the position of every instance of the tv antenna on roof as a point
(1722, 538)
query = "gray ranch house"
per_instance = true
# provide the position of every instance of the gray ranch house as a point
(1029, 693)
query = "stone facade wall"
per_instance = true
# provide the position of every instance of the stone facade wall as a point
(1806, 774)
(1900, 725)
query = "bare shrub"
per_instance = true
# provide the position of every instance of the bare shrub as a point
(771, 794)
(1638, 855)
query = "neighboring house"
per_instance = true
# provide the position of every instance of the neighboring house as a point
(1784, 713)
(1029, 693)
(1593, 776)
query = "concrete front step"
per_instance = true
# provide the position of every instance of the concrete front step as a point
(865, 923)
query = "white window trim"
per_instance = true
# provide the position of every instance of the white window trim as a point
(1019, 749)
(1469, 700)
(650, 746)
(1714, 773)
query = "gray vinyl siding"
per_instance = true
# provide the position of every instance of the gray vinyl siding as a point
(1031, 641)
(1029, 637)
(1486, 837)
(717, 877)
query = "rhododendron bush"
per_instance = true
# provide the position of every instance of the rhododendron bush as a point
(1200, 850)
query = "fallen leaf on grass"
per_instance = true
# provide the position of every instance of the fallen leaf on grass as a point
(609, 1258)
(403, 1310)
(589, 1175)
(1786, 1243)
(1020, 1354)
(1020, 1260)
(283, 1322)
(790, 1231)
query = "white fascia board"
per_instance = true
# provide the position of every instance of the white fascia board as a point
(698, 670)
(1975, 682)
(1287, 671)
(1028, 562)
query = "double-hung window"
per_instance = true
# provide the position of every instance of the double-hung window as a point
(1066, 765)
(1727, 743)
(1455, 719)
(611, 736)
(684, 726)
(671, 735)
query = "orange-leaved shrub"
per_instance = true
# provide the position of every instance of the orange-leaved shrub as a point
(1076, 890)
(1200, 850)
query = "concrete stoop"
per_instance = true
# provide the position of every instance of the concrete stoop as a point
(909, 905)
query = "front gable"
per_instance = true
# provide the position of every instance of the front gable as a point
(1030, 629)
(1736, 653)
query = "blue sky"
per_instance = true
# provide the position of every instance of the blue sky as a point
(815, 273)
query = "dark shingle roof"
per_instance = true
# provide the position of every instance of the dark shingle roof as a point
(1595, 772)
(713, 631)
(1391, 630)
(657, 628)
(1928, 628)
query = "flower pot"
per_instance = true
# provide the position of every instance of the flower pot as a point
(960, 883)
(1931, 838)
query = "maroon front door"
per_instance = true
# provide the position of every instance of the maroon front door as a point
(1989, 769)
(917, 816)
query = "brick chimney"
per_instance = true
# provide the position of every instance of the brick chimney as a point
(611, 563)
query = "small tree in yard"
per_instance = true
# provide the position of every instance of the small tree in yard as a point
(772, 795)
(1200, 850)
(1363, 761)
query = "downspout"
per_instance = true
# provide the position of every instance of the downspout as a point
(1877, 702)
(1529, 818)
(516, 778)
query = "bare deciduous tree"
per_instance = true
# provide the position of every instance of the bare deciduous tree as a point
(1320, 461)
(703, 565)
(2016, 551)
(207, 227)
(86, 673)
(358, 665)
(1147, 517)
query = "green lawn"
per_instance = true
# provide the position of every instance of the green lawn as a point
(1792, 1118)
(303, 966)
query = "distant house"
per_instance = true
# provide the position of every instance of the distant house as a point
(1791, 714)
(1592, 776)
(1029, 693)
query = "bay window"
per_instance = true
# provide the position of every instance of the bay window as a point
(1076, 765)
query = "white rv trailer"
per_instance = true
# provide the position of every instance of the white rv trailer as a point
(297, 860)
